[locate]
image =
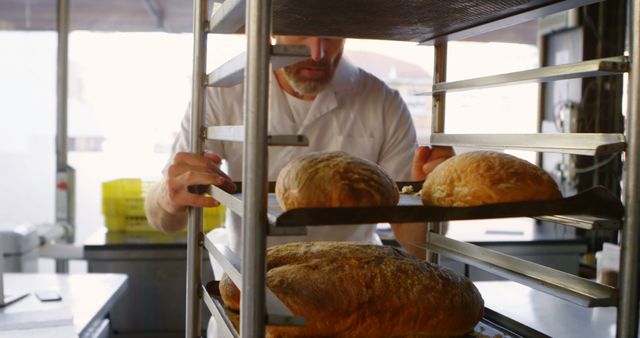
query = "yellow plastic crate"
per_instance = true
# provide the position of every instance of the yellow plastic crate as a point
(123, 207)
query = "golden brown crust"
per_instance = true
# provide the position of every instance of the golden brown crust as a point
(229, 293)
(334, 179)
(484, 177)
(348, 289)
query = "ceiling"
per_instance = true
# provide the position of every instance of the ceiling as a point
(173, 16)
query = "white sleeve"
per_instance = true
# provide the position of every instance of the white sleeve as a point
(400, 140)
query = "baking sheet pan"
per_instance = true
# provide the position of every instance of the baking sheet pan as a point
(487, 327)
(597, 202)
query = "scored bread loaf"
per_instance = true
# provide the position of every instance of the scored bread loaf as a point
(485, 177)
(334, 179)
(349, 289)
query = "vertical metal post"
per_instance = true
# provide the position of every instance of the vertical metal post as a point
(194, 230)
(437, 122)
(439, 76)
(254, 223)
(627, 325)
(65, 175)
(1, 277)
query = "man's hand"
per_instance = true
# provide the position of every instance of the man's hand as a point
(167, 201)
(425, 159)
(190, 169)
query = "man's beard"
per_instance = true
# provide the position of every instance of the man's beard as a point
(306, 86)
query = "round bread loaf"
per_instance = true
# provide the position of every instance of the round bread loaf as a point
(485, 177)
(349, 289)
(334, 179)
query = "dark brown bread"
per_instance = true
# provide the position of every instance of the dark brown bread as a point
(485, 177)
(348, 289)
(334, 179)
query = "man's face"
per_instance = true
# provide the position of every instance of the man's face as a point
(310, 76)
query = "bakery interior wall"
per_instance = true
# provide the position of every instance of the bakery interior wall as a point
(129, 87)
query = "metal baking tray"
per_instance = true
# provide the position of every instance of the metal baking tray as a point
(491, 325)
(596, 202)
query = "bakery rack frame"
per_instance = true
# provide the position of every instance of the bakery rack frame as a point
(408, 21)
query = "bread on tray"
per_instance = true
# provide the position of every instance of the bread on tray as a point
(485, 177)
(334, 179)
(348, 289)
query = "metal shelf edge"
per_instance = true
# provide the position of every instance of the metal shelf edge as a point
(228, 18)
(512, 20)
(227, 260)
(277, 312)
(217, 311)
(236, 134)
(590, 144)
(596, 202)
(563, 285)
(604, 66)
(582, 222)
(231, 72)
(229, 200)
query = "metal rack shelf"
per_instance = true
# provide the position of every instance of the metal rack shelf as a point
(231, 72)
(563, 285)
(598, 67)
(277, 312)
(236, 134)
(217, 310)
(591, 144)
(582, 222)
(409, 21)
(592, 206)
(593, 202)
(388, 20)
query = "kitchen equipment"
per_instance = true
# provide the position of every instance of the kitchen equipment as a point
(19, 247)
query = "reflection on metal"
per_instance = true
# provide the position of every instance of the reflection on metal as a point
(561, 284)
(231, 72)
(592, 144)
(229, 262)
(231, 201)
(236, 134)
(582, 222)
(599, 67)
(228, 18)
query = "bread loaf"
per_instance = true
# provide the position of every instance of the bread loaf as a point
(348, 289)
(334, 179)
(485, 177)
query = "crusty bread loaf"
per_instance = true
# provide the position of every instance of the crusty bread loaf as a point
(334, 179)
(348, 289)
(485, 177)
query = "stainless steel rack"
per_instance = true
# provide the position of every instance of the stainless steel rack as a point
(408, 21)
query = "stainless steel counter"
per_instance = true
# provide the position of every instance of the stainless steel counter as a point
(154, 303)
(90, 297)
(545, 313)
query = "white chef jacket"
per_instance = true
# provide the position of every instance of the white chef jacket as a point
(356, 113)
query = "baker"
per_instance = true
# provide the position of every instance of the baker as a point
(336, 105)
